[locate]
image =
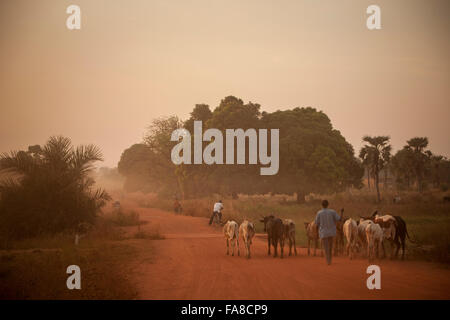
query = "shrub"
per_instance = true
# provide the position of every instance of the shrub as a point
(123, 219)
(54, 192)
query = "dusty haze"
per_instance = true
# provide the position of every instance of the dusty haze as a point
(136, 60)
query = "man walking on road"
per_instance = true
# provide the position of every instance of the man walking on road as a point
(218, 206)
(326, 222)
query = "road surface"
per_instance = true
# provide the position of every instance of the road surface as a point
(191, 263)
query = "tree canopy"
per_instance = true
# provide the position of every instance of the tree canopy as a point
(314, 157)
(375, 156)
(414, 165)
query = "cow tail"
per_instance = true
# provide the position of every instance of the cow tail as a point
(407, 234)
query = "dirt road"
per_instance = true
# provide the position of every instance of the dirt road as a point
(191, 264)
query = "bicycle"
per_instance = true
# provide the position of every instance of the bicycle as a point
(217, 219)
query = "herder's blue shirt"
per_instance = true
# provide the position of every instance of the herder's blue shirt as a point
(326, 221)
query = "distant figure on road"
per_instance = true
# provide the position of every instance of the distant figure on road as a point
(326, 221)
(116, 206)
(177, 206)
(218, 206)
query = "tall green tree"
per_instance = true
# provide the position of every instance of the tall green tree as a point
(157, 138)
(403, 167)
(439, 171)
(138, 164)
(314, 157)
(201, 112)
(147, 166)
(376, 154)
(233, 113)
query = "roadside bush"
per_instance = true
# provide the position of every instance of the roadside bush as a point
(54, 192)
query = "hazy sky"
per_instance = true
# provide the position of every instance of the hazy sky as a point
(133, 61)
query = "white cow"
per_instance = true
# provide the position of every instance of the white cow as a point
(231, 232)
(362, 238)
(350, 229)
(374, 234)
(389, 225)
(247, 231)
(312, 233)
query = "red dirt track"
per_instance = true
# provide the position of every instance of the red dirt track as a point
(191, 263)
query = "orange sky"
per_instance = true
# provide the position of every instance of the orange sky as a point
(133, 61)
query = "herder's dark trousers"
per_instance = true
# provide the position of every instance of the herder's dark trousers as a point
(328, 248)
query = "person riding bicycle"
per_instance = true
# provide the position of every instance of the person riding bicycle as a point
(218, 206)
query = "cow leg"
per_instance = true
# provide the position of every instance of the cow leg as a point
(232, 246)
(295, 246)
(384, 250)
(247, 248)
(290, 246)
(309, 245)
(237, 242)
(228, 247)
(397, 248)
(315, 246)
(282, 247)
(275, 248)
(268, 245)
(352, 250)
(351, 246)
(403, 247)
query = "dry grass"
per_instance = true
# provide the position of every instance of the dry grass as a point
(41, 273)
(36, 268)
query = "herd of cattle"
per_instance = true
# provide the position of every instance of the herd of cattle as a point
(365, 236)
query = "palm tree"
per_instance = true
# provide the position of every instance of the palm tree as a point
(53, 190)
(376, 155)
(366, 163)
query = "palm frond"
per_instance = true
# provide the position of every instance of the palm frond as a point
(58, 150)
(19, 162)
